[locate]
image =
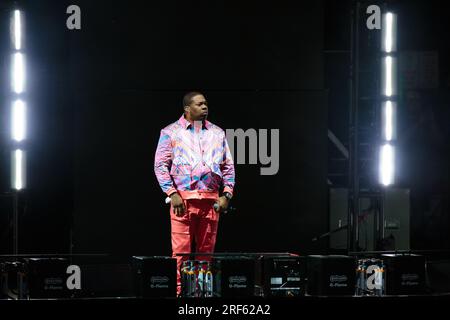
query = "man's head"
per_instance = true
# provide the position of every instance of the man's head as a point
(195, 106)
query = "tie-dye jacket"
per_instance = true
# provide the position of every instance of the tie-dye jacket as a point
(194, 157)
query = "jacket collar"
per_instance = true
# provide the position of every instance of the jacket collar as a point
(186, 124)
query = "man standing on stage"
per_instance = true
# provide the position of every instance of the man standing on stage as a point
(193, 164)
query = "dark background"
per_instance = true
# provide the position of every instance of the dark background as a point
(99, 96)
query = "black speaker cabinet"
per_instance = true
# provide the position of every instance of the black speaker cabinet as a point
(405, 274)
(45, 278)
(330, 275)
(101, 279)
(282, 276)
(154, 276)
(438, 276)
(234, 276)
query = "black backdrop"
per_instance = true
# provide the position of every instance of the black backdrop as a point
(100, 95)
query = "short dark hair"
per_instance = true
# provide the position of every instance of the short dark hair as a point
(187, 99)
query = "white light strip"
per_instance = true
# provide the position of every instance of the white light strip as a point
(387, 165)
(19, 159)
(18, 125)
(388, 73)
(389, 32)
(18, 73)
(18, 170)
(17, 30)
(388, 121)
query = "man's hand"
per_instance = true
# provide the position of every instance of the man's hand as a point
(223, 204)
(177, 204)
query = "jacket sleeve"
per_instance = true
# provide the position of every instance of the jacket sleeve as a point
(163, 163)
(227, 168)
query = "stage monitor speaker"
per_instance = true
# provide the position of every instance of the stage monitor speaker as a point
(282, 276)
(331, 275)
(154, 276)
(234, 276)
(438, 276)
(107, 279)
(405, 274)
(44, 278)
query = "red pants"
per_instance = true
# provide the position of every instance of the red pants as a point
(199, 222)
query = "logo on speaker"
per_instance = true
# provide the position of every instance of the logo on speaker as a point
(237, 282)
(337, 280)
(410, 279)
(53, 283)
(158, 282)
